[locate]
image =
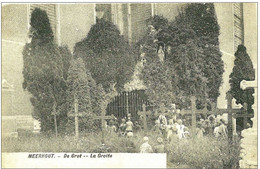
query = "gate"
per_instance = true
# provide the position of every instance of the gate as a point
(128, 102)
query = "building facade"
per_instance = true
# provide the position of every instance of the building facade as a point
(71, 23)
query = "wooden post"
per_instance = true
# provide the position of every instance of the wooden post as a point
(144, 113)
(54, 113)
(103, 118)
(229, 108)
(245, 118)
(127, 110)
(56, 128)
(76, 119)
(193, 111)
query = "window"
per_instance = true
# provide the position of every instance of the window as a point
(238, 24)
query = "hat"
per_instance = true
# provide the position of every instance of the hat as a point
(159, 140)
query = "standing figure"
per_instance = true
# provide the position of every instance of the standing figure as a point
(163, 123)
(222, 130)
(172, 133)
(159, 148)
(157, 128)
(130, 146)
(129, 126)
(122, 128)
(112, 127)
(216, 130)
(180, 128)
(199, 130)
(137, 126)
(146, 147)
(212, 124)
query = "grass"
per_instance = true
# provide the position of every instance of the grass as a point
(204, 152)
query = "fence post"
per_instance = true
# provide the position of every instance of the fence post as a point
(127, 110)
(229, 107)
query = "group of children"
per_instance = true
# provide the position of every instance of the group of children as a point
(168, 127)
(145, 147)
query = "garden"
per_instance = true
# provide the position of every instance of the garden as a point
(181, 59)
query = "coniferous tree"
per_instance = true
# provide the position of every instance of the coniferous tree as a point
(197, 23)
(242, 70)
(202, 19)
(81, 86)
(192, 54)
(43, 71)
(107, 55)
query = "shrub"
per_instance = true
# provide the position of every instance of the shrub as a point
(206, 152)
(242, 70)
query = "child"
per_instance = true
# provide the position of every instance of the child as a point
(172, 133)
(199, 131)
(222, 130)
(130, 146)
(129, 126)
(159, 148)
(122, 127)
(137, 126)
(146, 147)
(156, 127)
(180, 128)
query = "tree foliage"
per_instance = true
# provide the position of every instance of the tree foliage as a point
(82, 87)
(242, 70)
(191, 49)
(43, 71)
(107, 55)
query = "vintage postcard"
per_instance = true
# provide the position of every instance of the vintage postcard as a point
(129, 85)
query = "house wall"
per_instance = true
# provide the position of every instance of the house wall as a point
(225, 17)
(14, 37)
(250, 27)
(168, 10)
(75, 22)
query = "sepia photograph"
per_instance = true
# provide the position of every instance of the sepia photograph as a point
(127, 85)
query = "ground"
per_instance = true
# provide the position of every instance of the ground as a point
(207, 152)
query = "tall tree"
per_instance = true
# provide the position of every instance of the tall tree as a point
(81, 86)
(191, 50)
(242, 70)
(43, 71)
(202, 19)
(107, 55)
